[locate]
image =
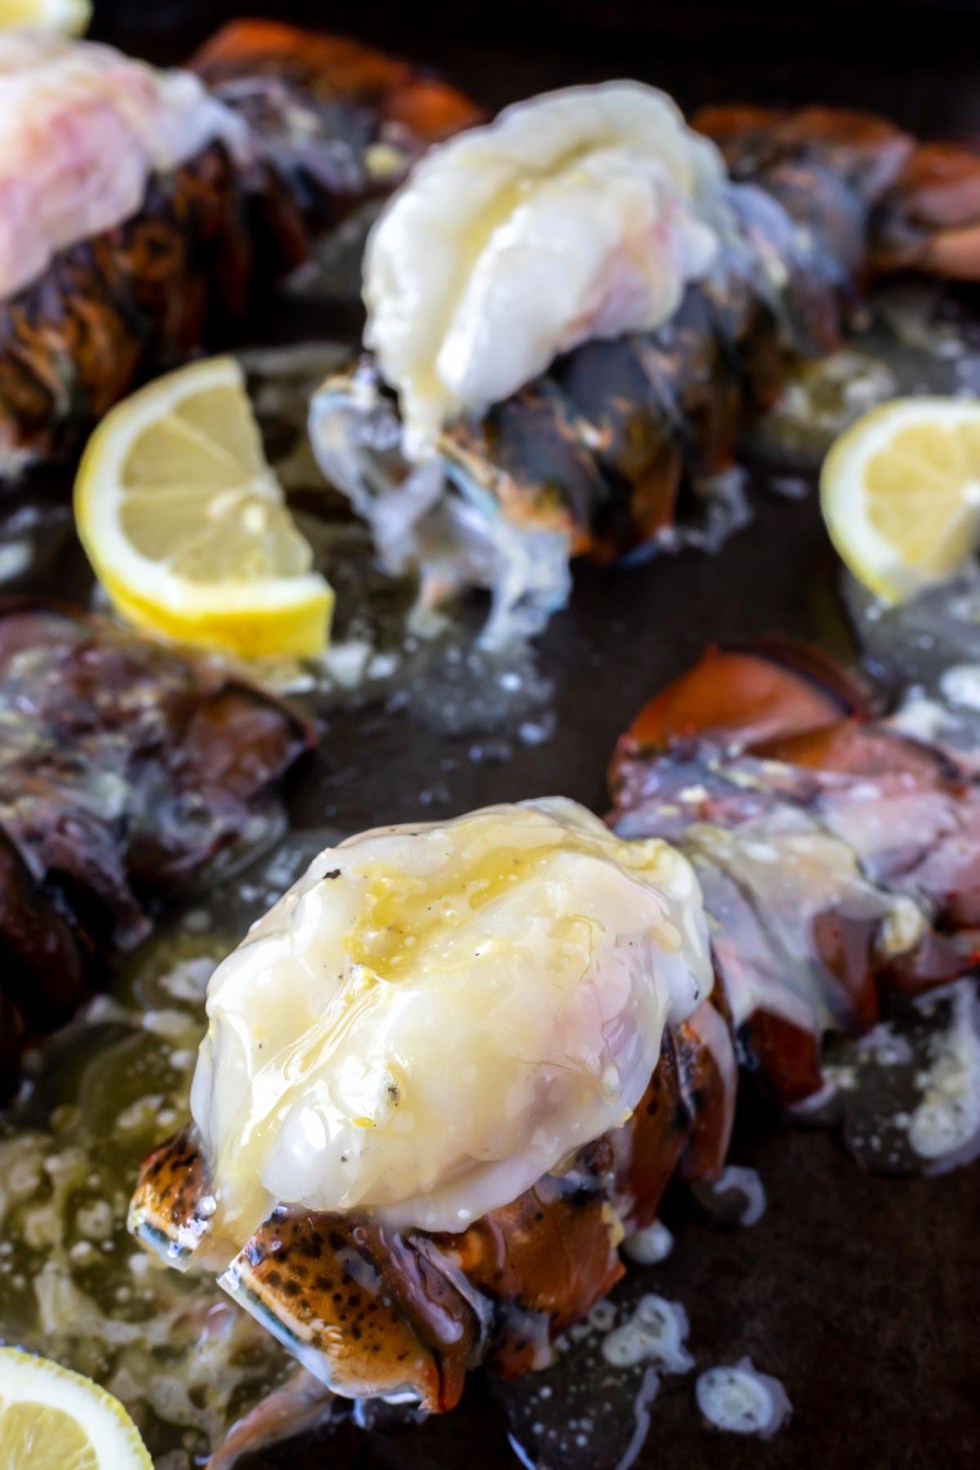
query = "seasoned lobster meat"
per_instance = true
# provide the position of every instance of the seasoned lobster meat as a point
(541, 400)
(395, 1216)
(391, 1261)
(158, 205)
(125, 767)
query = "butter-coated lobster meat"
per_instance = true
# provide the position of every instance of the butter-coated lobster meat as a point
(620, 448)
(838, 859)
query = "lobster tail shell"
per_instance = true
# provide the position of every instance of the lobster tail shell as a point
(923, 198)
(75, 341)
(97, 723)
(334, 69)
(930, 219)
(865, 152)
(742, 696)
(763, 763)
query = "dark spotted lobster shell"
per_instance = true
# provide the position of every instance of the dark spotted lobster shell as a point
(125, 768)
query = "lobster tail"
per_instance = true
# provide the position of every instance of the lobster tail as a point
(865, 153)
(620, 448)
(372, 1310)
(762, 765)
(930, 219)
(744, 695)
(332, 71)
(921, 201)
(97, 723)
(305, 130)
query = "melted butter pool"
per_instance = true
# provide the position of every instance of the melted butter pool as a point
(74, 1285)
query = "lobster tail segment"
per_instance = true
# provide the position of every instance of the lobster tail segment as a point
(837, 855)
(922, 200)
(333, 69)
(743, 695)
(865, 152)
(930, 219)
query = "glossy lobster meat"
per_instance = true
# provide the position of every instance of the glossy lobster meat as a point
(371, 1310)
(620, 448)
(331, 125)
(837, 858)
(125, 768)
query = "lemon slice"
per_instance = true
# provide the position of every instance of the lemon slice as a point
(187, 527)
(900, 493)
(71, 17)
(51, 1417)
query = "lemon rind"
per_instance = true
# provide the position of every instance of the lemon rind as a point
(869, 555)
(27, 1379)
(259, 617)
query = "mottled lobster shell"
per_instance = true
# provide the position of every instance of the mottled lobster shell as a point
(597, 449)
(370, 1310)
(318, 105)
(76, 340)
(922, 199)
(125, 768)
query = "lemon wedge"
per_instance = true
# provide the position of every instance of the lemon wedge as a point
(71, 17)
(187, 527)
(51, 1417)
(900, 493)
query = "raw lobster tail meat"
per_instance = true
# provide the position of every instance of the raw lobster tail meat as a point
(837, 858)
(620, 447)
(126, 768)
(295, 133)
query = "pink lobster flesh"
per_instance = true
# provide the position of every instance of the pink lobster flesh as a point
(838, 857)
